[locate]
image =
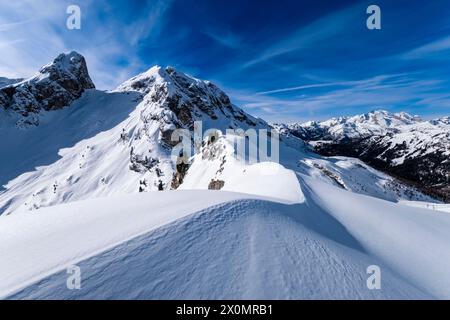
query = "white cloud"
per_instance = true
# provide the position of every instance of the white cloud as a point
(320, 30)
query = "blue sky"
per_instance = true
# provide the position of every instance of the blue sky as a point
(280, 60)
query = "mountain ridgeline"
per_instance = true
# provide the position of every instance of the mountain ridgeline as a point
(404, 146)
(84, 175)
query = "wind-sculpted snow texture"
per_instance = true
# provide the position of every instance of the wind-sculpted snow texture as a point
(244, 249)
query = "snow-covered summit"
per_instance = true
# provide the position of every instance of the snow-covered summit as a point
(68, 67)
(55, 86)
(378, 122)
(441, 121)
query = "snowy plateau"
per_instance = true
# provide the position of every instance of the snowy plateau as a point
(89, 180)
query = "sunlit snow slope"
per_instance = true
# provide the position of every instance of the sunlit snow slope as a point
(183, 248)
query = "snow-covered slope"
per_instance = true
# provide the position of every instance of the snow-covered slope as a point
(217, 166)
(354, 175)
(36, 245)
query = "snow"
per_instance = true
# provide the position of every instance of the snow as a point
(192, 244)
(354, 175)
(243, 249)
(378, 122)
(76, 149)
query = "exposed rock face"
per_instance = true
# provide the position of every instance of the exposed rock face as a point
(188, 99)
(216, 184)
(55, 86)
(404, 146)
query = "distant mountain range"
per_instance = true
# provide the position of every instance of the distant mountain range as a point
(405, 146)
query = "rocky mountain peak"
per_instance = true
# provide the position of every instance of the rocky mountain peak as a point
(70, 69)
(4, 82)
(186, 99)
(377, 122)
(55, 86)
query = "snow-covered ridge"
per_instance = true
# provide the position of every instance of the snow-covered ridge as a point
(257, 247)
(55, 86)
(77, 227)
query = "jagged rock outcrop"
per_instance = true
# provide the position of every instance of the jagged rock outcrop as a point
(55, 86)
(188, 99)
(4, 82)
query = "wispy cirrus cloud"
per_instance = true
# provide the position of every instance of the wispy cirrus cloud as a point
(430, 50)
(225, 38)
(33, 32)
(340, 98)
